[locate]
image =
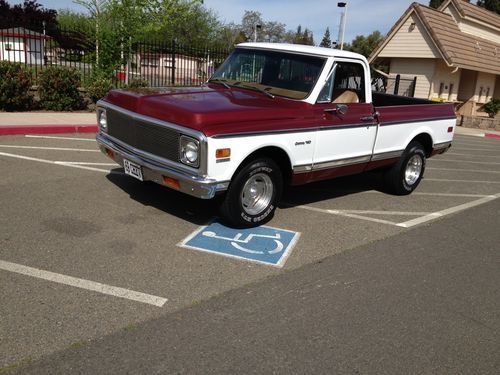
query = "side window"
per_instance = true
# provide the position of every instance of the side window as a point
(347, 85)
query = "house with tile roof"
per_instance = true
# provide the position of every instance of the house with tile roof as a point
(454, 51)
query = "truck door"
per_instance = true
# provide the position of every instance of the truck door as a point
(347, 126)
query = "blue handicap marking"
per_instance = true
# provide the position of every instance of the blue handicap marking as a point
(262, 244)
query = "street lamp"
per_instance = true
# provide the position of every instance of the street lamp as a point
(257, 26)
(342, 23)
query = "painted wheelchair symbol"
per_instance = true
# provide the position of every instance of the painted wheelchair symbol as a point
(236, 241)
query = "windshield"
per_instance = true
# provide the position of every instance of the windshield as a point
(276, 73)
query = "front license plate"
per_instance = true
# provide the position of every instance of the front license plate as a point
(132, 169)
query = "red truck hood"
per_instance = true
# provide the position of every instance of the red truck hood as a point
(213, 110)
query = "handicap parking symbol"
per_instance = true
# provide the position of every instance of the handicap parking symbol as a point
(262, 244)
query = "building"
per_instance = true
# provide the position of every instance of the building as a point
(454, 51)
(159, 67)
(22, 45)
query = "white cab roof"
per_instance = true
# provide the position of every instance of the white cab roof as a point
(303, 49)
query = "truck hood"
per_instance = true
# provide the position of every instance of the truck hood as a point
(213, 110)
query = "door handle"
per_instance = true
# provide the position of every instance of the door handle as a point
(368, 118)
(371, 118)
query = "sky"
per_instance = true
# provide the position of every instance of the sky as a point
(363, 16)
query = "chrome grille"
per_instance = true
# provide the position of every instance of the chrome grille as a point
(146, 136)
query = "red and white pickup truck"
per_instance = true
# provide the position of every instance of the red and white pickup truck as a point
(272, 115)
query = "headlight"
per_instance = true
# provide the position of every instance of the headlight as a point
(189, 151)
(102, 120)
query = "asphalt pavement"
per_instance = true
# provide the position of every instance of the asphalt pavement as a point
(93, 278)
(424, 301)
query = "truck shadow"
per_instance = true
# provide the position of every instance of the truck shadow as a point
(201, 211)
(194, 210)
(330, 189)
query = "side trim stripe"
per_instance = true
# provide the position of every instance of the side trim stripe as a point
(389, 123)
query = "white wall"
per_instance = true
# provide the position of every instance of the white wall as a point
(414, 36)
(16, 54)
(445, 79)
(423, 69)
(485, 87)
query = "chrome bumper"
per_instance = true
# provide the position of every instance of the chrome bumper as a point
(153, 170)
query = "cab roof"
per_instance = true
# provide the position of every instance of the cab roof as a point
(303, 49)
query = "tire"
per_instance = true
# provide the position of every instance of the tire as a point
(253, 194)
(404, 176)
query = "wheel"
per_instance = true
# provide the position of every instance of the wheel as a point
(253, 194)
(404, 176)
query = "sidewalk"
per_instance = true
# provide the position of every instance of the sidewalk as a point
(12, 123)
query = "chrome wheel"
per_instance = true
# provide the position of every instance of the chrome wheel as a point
(257, 193)
(413, 169)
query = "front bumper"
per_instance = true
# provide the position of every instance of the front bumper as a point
(155, 171)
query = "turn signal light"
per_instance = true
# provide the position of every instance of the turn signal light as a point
(223, 153)
(171, 182)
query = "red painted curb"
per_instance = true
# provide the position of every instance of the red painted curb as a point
(46, 129)
(489, 135)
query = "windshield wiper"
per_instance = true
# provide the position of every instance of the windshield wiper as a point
(221, 81)
(262, 90)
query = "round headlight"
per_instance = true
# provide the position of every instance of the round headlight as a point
(103, 121)
(191, 152)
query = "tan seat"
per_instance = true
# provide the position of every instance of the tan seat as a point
(345, 96)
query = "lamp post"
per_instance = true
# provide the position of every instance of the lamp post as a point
(257, 26)
(342, 23)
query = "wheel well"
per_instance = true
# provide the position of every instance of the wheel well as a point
(278, 155)
(426, 141)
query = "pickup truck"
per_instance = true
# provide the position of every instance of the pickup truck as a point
(272, 115)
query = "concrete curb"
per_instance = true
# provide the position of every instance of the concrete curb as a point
(46, 129)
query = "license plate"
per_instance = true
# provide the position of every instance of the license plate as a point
(132, 169)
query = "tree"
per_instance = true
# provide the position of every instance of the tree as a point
(303, 37)
(365, 45)
(29, 14)
(326, 41)
(249, 23)
(491, 5)
(435, 3)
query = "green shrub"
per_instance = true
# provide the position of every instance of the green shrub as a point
(58, 89)
(137, 83)
(492, 107)
(15, 83)
(99, 87)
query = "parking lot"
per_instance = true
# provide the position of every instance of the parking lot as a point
(86, 250)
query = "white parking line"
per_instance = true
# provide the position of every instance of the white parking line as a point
(464, 181)
(49, 148)
(451, 194)
(464, 161)
(473, 155)
(66, 138)
(396, 213)
(53, 162)
(83, 284)
(346, 214)
(462, 170)
(448, 211)
(85, 163)
(486, 149)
